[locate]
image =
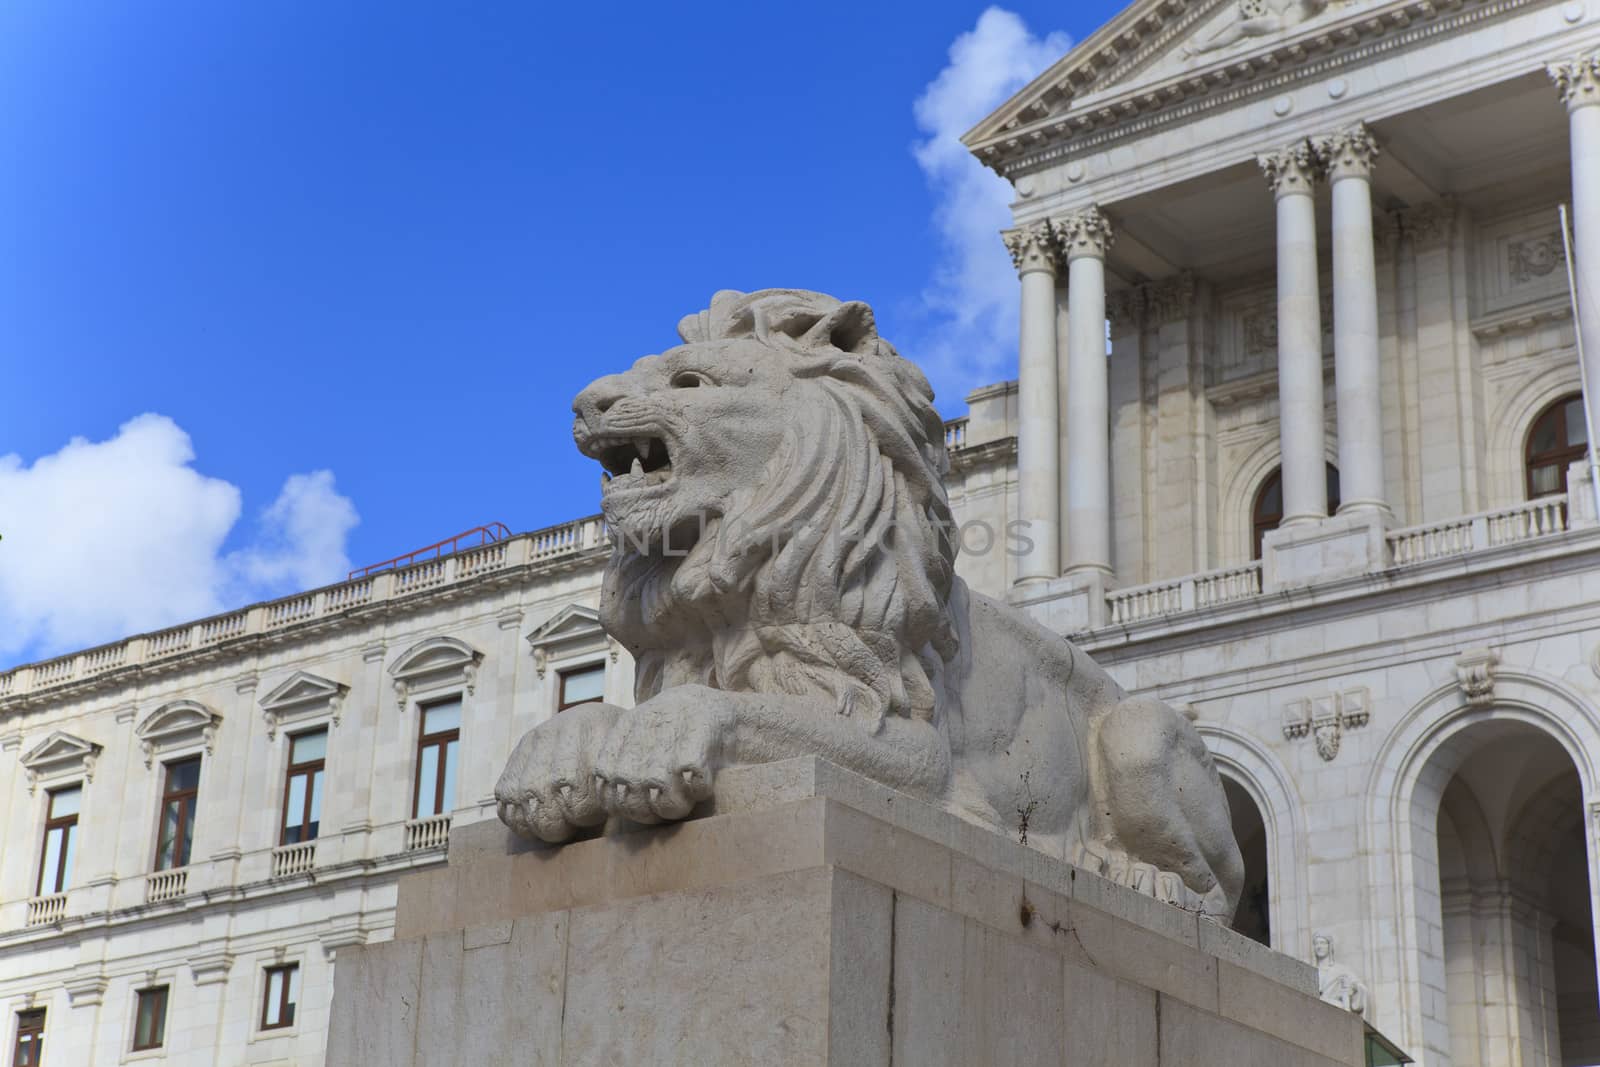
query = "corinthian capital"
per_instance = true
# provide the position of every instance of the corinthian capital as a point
(1084, 233)
(1032, 247)
(1291, 170)
(1349, 153)
(1578, 80)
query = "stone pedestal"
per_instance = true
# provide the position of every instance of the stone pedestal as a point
(811, 917)
(1338, 547)
(1069, 604)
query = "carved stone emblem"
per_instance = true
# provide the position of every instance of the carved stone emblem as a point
(1325, 719)
(1535, 258)
(1257, 18)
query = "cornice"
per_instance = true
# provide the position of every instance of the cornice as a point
(244, 647)
(1138, 109)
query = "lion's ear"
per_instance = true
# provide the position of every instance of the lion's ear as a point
(849, 327)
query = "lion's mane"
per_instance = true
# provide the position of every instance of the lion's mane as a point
(832, 575)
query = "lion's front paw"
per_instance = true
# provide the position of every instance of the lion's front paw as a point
(548, 789)
(1146, 878)
(659, 760)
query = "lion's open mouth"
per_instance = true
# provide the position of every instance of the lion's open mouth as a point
(633, 461)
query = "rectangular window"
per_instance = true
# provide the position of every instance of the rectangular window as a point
(29, 1049)
(302, 791)
(60, 827)
(436, 759)
(150, 1019)
(282, 991)
(582, 685)
(178, 796)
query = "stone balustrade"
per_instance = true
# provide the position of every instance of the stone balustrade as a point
(955, 434)
(166, 885)
(1408, 547)
(431, 832)
(296, 859)
(541, 547)
(1474, 533)
(42, 911)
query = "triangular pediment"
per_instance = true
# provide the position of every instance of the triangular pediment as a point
(59, 751)
(575, 621)
(302, 689)
(1157, 53)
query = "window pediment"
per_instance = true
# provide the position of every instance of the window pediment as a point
(60, 755)
(177, 723)
(300, 696)
(436, 662)
(574, 629)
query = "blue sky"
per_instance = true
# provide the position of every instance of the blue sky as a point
(343, 265)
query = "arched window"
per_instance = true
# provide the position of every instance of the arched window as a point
(1558, 437)
(1267, 511)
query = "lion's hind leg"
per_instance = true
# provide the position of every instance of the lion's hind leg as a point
(1161, 820)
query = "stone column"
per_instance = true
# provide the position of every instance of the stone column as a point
(1348, 156)
(1292, 174)
(1579, 82)
(1033, 251)
(1085, 238)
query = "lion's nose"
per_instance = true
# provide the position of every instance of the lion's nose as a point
(597, 398)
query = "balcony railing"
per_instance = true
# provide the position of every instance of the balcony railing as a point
(1409, 547)
(432, 832)
(955, 434)
(1474, 533)
(571, 539)
(166, 885)
(42, 911)
(1139, 602)
(291, 860)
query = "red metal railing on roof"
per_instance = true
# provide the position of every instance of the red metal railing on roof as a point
(478, 535)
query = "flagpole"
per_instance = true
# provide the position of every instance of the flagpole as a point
(1583, 364)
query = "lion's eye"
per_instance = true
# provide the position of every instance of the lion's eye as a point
(688, 379)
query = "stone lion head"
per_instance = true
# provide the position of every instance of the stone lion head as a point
(775, 492)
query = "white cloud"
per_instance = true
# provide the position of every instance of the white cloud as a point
(108, 538)
(971, 300)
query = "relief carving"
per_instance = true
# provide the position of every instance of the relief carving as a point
(1257, 18)
(1535, 257)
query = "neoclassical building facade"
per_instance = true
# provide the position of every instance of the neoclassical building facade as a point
(1298, 442)
(1301, 427)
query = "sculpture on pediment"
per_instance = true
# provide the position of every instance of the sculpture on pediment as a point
(783, 573)
(1258, 18)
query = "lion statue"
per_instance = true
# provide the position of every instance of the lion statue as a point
(783, 573)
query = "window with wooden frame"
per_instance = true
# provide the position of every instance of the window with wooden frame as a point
(438, 738)
(1559, 438)
(150, 1018)
(60, 831)
(29, 1048)
(302, 787)
(1267, 510)
(179, 793)
(278, 998)
(581, 685)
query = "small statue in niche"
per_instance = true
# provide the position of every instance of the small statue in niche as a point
(1336, 983)
(1258, 18)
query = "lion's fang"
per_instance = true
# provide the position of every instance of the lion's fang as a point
(638, 466)
(643, 445)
